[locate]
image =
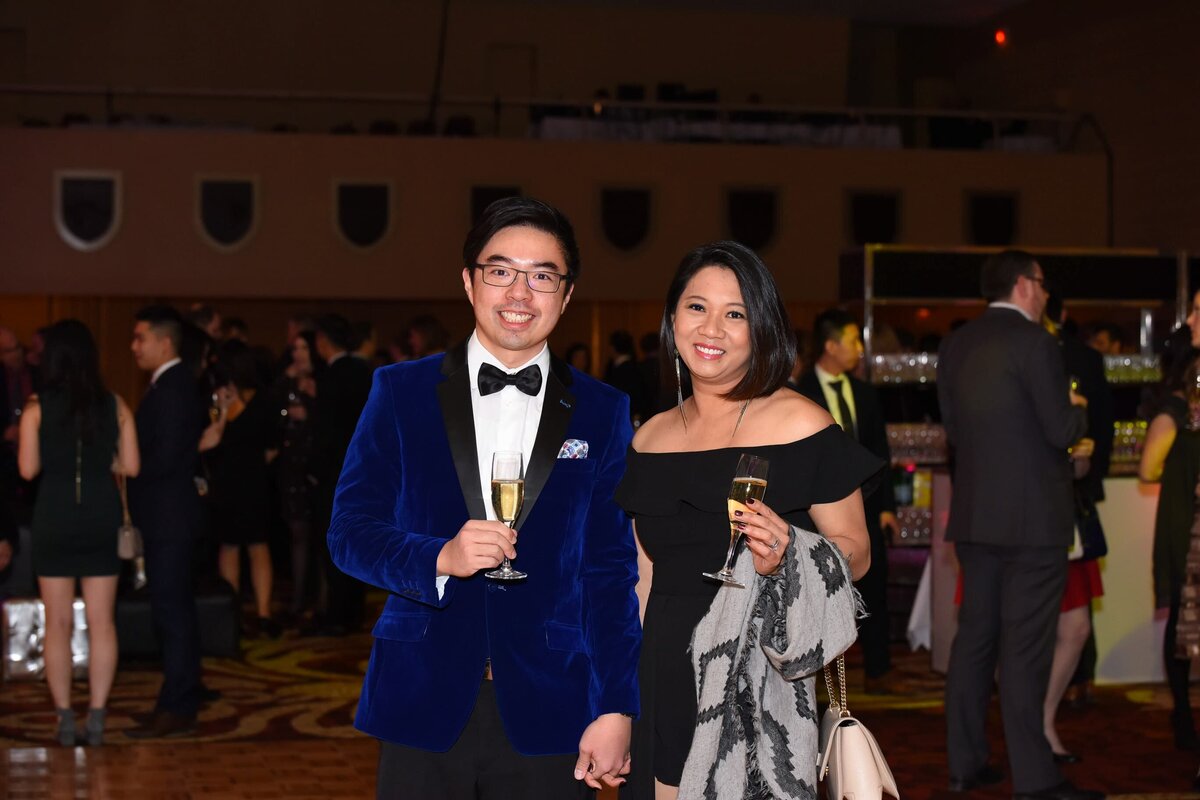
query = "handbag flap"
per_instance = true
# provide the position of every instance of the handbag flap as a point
(832, 731)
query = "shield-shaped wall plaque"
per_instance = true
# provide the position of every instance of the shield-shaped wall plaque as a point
(227, 210)
(625, 216)
(752, 216)
(87, 207)
(363, 212)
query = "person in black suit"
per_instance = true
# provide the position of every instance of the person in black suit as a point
(855, 406)
(659, 398)
(165, 506)
(342, 390)
(1010, 416)
(622, 373)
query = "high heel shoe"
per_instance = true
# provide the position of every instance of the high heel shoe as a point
(94, 727)
(66, 727)
(1066, 758)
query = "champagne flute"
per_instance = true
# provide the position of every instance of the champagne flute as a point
(508, 494)
(749, 483)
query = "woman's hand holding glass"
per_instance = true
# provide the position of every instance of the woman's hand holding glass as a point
(767, 535)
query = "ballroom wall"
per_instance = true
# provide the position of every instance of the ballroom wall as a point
(295, 250)
(1132, 65)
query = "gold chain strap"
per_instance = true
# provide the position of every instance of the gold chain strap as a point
(835, 701)
(124, 499)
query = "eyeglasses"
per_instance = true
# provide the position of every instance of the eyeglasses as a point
(1038, 279)
(537, 280)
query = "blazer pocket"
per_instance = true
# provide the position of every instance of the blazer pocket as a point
(560, 636)
(401, 627)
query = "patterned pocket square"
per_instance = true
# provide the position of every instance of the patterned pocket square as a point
(573, 448)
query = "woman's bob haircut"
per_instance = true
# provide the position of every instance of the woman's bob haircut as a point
(772, 341)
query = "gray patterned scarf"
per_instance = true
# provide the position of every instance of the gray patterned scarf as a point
(756, 654)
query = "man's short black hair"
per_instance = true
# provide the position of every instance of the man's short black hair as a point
(164, 321)
(772, 344)
(513, 212)
(338, 330)
(430, 328)
(1000, 272)
(621, 342)
(829, 325)
(1115, 332)
(649, 344)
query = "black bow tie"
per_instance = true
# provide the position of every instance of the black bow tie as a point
(493, 379)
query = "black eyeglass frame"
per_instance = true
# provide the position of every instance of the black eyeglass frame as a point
(559, 278)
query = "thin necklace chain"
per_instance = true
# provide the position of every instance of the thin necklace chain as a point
(736, 425)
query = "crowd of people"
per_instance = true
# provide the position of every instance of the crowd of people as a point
(613, 661)
(235, 449)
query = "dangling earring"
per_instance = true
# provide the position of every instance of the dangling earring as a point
(679, 391)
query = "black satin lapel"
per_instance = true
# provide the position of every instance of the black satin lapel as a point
(454, 396)
(557, 408)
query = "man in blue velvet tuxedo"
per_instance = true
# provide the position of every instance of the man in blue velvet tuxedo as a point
(481, 688)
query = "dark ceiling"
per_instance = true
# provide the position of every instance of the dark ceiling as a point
(950, 13)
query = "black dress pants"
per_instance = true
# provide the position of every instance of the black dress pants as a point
(173, 610)
(481, 765)
(874, 632)
(1008, 617)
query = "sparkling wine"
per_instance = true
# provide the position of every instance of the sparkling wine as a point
(507, 497)
(744, 489)
(749, 483)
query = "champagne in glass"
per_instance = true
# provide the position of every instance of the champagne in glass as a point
(749, 483)
(508, 494)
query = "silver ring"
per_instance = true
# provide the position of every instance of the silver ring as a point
(774, 545)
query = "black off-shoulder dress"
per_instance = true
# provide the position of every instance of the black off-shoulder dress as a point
(678, 502)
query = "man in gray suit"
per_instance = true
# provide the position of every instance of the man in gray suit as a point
(1010, 417)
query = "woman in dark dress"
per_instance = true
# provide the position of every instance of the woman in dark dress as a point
(77, 434)
(725, 326)
(1171, 456)
(296, 399)
(239, 480)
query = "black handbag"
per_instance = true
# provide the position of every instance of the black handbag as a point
(1092, 543)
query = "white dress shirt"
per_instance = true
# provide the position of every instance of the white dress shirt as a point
(504, 420)
(831, 396)
(158, 372)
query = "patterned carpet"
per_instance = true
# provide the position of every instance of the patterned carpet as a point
(304, 690)
(290, 688)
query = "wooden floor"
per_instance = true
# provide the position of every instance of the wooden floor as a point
(282, 730)
(192, 771)
(337, 769)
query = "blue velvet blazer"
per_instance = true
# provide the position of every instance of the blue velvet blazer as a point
(564, 642)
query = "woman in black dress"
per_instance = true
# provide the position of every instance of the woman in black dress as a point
(1171, 456)
(77, 434)
(239, 480)
(725, 327)
(296, 398)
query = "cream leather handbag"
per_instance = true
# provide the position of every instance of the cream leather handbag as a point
(850, 761)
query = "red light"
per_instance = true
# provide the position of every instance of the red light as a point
(1001, 37)
(923, 313)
